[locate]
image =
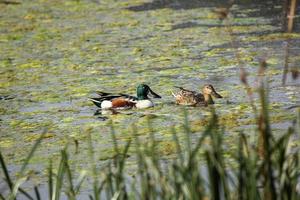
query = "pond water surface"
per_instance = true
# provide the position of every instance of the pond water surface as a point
(55, 54)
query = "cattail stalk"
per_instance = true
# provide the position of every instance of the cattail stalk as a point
(291, 15)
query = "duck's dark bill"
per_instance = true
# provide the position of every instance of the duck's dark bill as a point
(215, 94)
(153, 94)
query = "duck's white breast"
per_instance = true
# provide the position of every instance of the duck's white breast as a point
(144, 104)
(106, 104)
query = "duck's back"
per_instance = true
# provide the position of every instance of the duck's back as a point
(187, 97)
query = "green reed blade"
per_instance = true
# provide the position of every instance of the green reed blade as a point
(33, 149)
(50, 180)
(91, 197)
(93, 167)
(16, 187)
(28, 196)
(80, 181)
(187, 131)
(71, 191)
(59, 179)
(178, 148)
(5, 171)
(37, 193)
(2, 197)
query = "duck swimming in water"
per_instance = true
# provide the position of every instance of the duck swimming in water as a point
(192, 98)
(122, 101)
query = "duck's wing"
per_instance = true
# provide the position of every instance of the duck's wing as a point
(185, 92)
(185, 97)
(102, 94)
(199, 98)
(110, 96)
(182, 89)
(105, 96)
(128, 97)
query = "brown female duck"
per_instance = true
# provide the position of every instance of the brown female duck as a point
(192, 98)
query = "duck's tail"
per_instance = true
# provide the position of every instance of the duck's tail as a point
(103, 94)
(181, 88)
(97, 101)
(174, 94)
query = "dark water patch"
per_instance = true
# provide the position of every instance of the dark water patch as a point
(10, 2)
(6, 97)
(175, 4)
(185, 25)
(257, 33)
(196, 24)
(146, 37)
(266, 8)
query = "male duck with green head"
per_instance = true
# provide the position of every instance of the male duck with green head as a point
(117, 101)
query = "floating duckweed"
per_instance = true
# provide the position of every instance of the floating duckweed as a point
(34, 137)
(214, 52)
(14, 36)
(68, 119)
(6, 143)
(273, 61)
(166, 147)
(274, 36)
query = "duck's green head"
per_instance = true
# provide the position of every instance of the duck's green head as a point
(143, 90)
